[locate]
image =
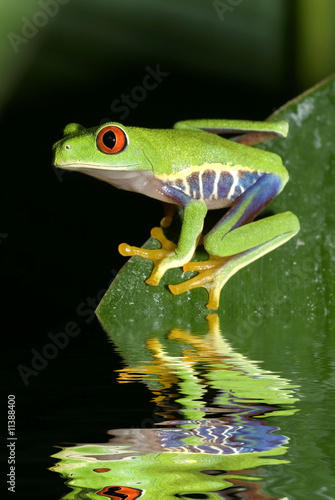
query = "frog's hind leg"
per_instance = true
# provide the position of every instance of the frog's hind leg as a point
(270, 233)
(236, 240)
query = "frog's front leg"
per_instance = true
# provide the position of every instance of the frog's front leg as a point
(236, 241)
(171, 255)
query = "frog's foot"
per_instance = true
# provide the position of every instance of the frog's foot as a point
(213, 274)
(156, 254)
(160, 256)
(169, 212)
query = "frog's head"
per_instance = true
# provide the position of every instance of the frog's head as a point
(110, 152)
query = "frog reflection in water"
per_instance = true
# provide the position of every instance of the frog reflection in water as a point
(191, 166)
(209, 448)
(239, 391)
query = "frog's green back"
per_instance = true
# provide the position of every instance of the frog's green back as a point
(171, 151)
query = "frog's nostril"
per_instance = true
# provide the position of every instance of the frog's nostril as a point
(67, 147)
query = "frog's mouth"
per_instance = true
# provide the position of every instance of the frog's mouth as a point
(91, 166)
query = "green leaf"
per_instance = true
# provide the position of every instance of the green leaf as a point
(294, 281)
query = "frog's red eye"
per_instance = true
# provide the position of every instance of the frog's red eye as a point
(111, 139)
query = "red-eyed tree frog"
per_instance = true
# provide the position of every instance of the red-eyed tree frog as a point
(194, 167)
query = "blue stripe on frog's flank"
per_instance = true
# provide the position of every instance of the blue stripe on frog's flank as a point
(208, 178)
(217, 182)
(245, 179)
(193, 181)
(180, 184)
(226, 180)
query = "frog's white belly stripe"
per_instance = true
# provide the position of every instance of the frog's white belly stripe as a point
(216, 183)
(236, 179)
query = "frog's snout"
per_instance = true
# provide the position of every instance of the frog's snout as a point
(62, 148)
(59, 152)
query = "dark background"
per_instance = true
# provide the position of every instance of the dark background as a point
(60, 232)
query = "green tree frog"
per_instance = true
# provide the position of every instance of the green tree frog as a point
(194, 167)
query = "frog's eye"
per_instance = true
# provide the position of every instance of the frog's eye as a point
(111, 139)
